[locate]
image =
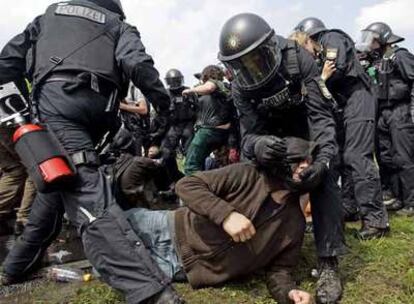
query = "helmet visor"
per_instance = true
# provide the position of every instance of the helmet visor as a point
(256, 67)
(366, 41)
(174, 82)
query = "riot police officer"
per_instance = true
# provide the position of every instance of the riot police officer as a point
(78, 81)
(395, 76)
(352, 90)
(275, 91)
(182, 115)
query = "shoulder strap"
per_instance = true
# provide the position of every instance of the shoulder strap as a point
(292, 59)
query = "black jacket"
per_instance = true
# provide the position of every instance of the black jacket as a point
(349, 74)
(395, 83)
(132, 62)
(311, 120)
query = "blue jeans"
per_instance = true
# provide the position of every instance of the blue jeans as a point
(156, 229)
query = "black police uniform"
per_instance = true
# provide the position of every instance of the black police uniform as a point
(351, 88)
(395, 125)
(279, 109)
(76, 101)
(182, 119)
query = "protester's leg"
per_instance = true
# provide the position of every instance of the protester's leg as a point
(156, 229)
(136, 183)
(11, 188)
(43, 226)
(359, 153)
(13, 175)
(204, 142)
(27, 200)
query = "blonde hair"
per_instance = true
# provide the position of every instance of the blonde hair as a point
(300, 37)
(303, 38)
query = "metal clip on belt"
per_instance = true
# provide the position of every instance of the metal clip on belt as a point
(85, 158)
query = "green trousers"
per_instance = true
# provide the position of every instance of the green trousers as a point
(16, 189)
(205, 141)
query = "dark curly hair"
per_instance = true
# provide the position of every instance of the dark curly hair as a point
(212, 72)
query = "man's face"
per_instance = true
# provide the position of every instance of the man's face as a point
(375, 45)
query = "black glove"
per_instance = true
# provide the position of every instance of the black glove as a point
(270, 152)
(312, 176)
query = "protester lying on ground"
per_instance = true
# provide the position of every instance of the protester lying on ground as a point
(237, 219)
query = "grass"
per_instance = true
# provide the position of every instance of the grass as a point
(374, 272)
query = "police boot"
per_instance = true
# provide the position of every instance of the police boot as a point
(167, 296)
(406, 211)
(395, 205)
(370, 233)
(7, 280)
(329, 286)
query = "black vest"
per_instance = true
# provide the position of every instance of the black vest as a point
(83, 35)
(181, 108)
(392, 88)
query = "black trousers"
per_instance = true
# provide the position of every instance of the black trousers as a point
(181, 132)
(360, 172)
(396, 146)
(327, 215)
(78, 120)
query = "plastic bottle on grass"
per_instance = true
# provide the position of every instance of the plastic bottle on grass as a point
(62, 274)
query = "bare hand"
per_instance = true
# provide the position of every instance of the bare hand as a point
(239, 227)
(186, 92)
(328, 69)
(300, 297)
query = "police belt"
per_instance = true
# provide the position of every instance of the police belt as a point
(77, 80)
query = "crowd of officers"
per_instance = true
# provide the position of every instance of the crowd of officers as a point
(354, 101)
